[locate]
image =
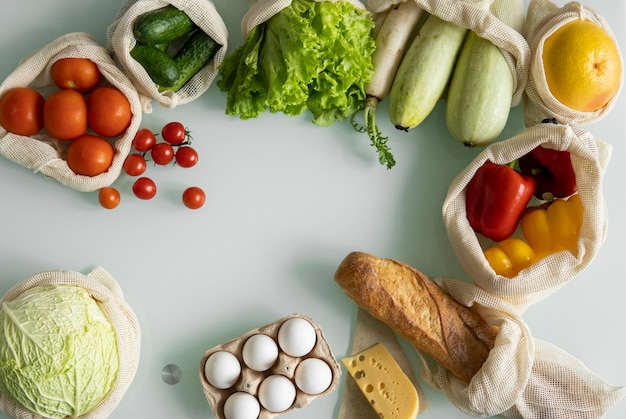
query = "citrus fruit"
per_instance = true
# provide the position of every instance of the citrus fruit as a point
(582, 65)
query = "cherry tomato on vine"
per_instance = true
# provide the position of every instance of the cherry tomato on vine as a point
(144, 140)
(144, 188)
(194, 197)
(186, 156)
(162, 153)
(109, 197)
(174, 133)
(134, 164)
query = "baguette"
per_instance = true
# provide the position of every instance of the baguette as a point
(405, 299)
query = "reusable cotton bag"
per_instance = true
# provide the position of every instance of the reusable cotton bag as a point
(106, 291)
(523, 377)
(543, 19)
(589, 157)
(120, 41)
(45, 154)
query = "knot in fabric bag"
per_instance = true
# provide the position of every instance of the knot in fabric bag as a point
(121, 40)
(499, 21)
(589, 158)
(46, 154)
(523, 377)
(543, 20)
(103, 288)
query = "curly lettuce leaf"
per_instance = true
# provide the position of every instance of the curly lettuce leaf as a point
(311, 55)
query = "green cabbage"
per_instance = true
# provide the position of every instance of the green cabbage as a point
(58, 351)
(313, 55)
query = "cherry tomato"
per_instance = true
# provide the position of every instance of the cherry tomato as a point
(134, 164)
(21, 111)
(144, 140)
(194, 197)
(186, 156)
(65, 114)
(89, 155)
(144, 188)
(80, 74)
(174, 133)
(109, 111)
(162, 153)
(109, 197)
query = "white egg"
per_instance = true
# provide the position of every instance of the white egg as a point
(241, 405)
(222, 369)
(260, 352)
(313, 376)
(296, 337)
(277, 393)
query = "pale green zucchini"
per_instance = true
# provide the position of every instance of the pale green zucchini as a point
(424, 72)
(480, 93)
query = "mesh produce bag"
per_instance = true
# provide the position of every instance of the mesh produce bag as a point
(523, 377)
(499, 21)
(106, 291)
(45, 154)
(120, 41)
(543, 19)
(589, 157)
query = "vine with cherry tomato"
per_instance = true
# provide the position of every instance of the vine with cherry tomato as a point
(175, 148)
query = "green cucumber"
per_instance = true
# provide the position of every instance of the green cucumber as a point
(197, 51)
(161, 68)
(480, 93)
(162, 25)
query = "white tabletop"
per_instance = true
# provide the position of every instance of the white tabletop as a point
(286, 201)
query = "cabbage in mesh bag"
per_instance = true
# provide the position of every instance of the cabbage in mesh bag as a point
(58, 351)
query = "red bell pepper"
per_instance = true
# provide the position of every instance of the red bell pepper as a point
(552, 171)
(496, 198)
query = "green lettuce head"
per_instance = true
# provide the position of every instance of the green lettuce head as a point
(58, 351)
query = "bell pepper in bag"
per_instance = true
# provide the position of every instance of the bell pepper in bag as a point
(554, 226)
(496, 198)
(510, 256)
(552, 171)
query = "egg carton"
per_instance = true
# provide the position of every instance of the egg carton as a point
(249, 381)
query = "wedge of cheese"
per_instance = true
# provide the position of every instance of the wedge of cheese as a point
(388, 390)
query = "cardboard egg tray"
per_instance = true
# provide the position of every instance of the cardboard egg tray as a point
(249, 380)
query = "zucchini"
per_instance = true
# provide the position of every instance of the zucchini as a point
(480, 93)
(162, 25)
(161, 68)
(424, 72)
(197, 51)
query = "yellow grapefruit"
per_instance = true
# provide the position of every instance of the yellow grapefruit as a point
(582, 65)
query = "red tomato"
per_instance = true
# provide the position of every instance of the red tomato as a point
(174, 133)
(89, 155)
(134, 164)
(79, 74)
(144, 140)
(109, 111)
(186, 156)
(162, 153)
(194, 197)
(144, 188)
(21, 111)
(109, 197)
(65, 114)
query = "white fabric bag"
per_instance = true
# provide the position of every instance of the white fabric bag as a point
(106, 291)
(45, 154)
(120, 41)
(590, 157)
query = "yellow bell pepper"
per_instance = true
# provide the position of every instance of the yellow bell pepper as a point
(553, 227)
(510, 256)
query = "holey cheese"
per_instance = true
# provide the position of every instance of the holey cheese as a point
(388, 390)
